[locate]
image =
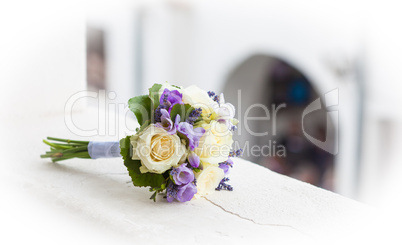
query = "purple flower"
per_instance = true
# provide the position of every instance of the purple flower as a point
(173, 97)
(171, 192)
(197, 134)
(186, 192)
(236, 153)
(226, 165)
(193, 135)
(223, 185)
(225, 168)
(194, 160)
(166, 123)
(182, 175)
(194, 115)
(182, 193)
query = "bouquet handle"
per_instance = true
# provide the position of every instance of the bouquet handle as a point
(64, 149)
(107, 149)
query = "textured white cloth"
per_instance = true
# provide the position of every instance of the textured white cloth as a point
(80, 200)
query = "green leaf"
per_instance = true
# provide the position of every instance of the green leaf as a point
(144, 125)
(182, 110)
(133, 166)
(154, 95)
(176, 86)
(141, 106)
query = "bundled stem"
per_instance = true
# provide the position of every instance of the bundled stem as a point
(63, 149)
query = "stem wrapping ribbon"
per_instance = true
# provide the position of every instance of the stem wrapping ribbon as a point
(107, 149)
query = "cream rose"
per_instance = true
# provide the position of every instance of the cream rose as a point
(208, 179)
(198, 98)
(215, 145)
(157, 149)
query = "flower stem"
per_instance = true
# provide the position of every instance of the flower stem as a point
(66, 150)
(68, 141)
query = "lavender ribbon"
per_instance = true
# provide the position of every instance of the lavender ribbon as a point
(107, 149)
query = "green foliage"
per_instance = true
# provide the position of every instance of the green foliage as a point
(175, 86)
(154, 95)
(141, 106)
(133, 166)
(156, 191)
(143, 126)
(182, 110)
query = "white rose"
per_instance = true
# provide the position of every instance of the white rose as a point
(198, 98)
(215, 145)
(157, 149)
(208, 179)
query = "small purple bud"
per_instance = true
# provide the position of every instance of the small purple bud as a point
(194, 160)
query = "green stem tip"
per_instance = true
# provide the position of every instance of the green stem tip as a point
(64, 149)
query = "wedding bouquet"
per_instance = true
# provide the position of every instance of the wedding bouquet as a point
(183, 147)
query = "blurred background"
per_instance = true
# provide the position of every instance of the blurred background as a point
(317, 82)
(271, 53)
(274, 60)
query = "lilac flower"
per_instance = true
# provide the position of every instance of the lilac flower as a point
(171, 192)
(213, 96)
(193, 135)
(194, 160)
(194, 115)
(226, 165)
(186, 192)
(166, 123)
(225, 168)
(236, 153)
(182, 175)
(165, 104)
(223, 185)
(182, 193)
(173, 97)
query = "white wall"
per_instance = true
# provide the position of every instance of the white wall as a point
(42, 61)
(201, 42)
(216, 37)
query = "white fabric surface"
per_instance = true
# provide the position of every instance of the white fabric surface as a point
(80, 200)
